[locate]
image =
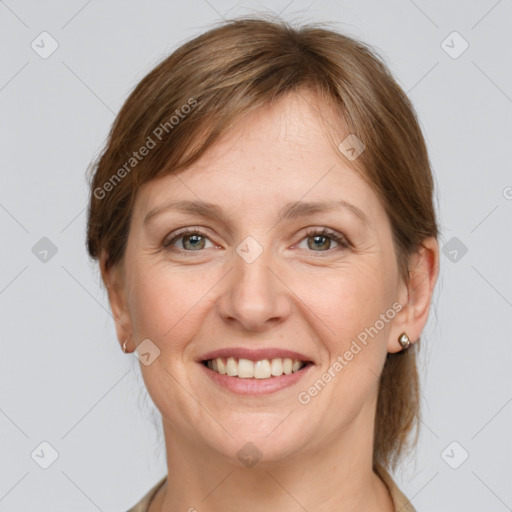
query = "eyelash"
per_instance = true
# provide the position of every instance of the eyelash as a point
(333, 235)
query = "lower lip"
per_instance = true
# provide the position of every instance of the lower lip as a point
(256, 386)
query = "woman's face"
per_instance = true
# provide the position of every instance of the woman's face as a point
(256, 279)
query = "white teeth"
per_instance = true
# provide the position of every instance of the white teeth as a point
(221, 367)
(276, 367)
(245, 369)
(262, 369)
(232, 367)
(296, 366)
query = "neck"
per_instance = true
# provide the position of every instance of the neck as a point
(334, 475)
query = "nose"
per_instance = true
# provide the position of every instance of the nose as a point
(255, 297)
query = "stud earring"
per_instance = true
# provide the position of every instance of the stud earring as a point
(124, 344)
(404, 341)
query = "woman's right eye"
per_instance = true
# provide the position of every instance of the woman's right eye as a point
(192, 240)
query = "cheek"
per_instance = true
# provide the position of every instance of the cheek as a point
(351, 300)
(356, 306)
(165, 305)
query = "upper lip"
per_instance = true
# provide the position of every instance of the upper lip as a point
(254, 354)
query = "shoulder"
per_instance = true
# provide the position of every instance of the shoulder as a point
(400, 501)
(143, 504)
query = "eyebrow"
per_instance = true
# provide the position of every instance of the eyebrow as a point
(289, 211)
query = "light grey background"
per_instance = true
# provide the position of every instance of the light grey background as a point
(63, 377)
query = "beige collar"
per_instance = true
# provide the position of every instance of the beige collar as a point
(401, 503)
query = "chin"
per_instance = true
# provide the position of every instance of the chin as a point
(262, 441)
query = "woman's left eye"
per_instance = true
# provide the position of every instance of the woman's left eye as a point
(318, 240)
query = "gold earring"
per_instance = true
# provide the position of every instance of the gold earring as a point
(404, 340)
(124, 344)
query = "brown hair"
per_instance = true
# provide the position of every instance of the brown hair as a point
(191, 98)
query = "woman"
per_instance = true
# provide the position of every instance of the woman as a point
(262, 215)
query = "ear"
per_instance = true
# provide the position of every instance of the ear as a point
(415, 295)
(114, 280)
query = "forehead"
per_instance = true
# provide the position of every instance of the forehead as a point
(284, 151)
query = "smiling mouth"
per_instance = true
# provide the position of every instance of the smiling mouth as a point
(261, 369)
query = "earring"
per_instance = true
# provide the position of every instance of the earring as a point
(404, 341)
(124, 344)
